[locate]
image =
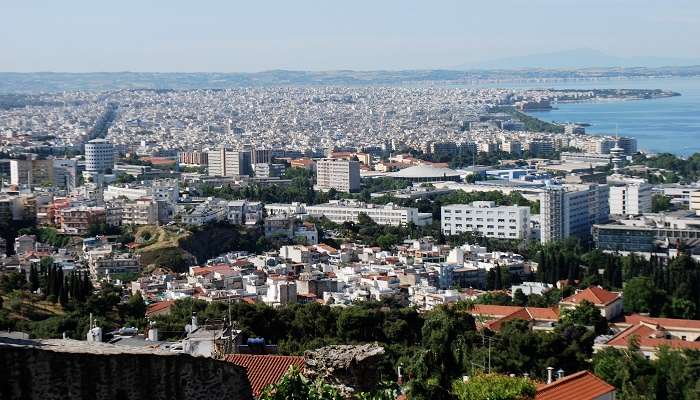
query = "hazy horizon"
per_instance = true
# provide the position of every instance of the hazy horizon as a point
(227, 37)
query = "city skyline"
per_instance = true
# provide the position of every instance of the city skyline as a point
(241, 37)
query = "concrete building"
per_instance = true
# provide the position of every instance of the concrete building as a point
(630, 197)
(340, 211)
(266, 170)
(99, 156)
(227, 162)
(32, 172)
(486, 219)
(571, 210)
(341, 175)
(647, 232)
(194, 158)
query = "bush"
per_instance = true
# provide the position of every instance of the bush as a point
(494, 387)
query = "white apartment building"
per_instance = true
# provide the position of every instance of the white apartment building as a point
(633, 198)
(341, 175)
(340, 211)
(486, 219)
(571, 210)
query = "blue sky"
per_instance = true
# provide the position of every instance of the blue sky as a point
(255, 35)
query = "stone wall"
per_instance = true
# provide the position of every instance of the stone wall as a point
(47, 370)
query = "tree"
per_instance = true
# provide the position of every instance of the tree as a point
(494, 387)
(586, 314)
(660, 203)
(519, 298)
(642, 296)
(294, 386)
(34, 282)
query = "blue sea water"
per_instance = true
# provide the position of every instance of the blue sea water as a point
(660, 125)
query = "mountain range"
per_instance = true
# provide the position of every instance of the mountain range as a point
(575, 59)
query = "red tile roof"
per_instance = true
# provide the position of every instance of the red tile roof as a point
(264, 370)
(668, 323)
(650, 336)
(501, 314)
(593, 294)
(579, 386)
(159, 308)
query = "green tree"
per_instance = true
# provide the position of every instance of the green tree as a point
(642, 296)
(494, 387)
(294, 386)
(585, 314)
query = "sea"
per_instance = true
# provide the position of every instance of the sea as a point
(669, 124)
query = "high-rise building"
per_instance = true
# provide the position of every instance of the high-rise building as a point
(341, 175)
(65, 172)
(32, 172)
(628, 144)
(99, 156)
(227, 162)
(260, 156)
(571, 210)
(540, 148)
(196, 158)
(630, 197)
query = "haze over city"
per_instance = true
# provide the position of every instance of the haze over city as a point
(236, 36)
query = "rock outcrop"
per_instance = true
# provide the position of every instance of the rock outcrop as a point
(351, 368)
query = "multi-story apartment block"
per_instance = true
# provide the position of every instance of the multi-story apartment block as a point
(341, 175)
(78, 220)
(540, 148)
(195, 158)
(486, 219)
(340, 211)
(227, 162)
(571, 210)
(633, 197)
(32, 172)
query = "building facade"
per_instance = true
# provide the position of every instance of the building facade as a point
(341, 175)
(486, 219)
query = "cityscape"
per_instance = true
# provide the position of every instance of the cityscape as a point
(325, 233)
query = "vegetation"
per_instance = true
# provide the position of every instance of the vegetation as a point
(531, 123)
(673, 375)
(660, 203)
(295, 386)
(494, 387)
(673, 168)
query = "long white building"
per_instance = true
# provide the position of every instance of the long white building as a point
(340, 211)
(487, 219)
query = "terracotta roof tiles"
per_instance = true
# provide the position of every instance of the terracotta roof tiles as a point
(264, 370)
(579, 386)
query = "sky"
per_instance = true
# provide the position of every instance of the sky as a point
(258, 35)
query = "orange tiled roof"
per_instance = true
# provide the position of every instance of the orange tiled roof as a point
(648, 337)
(263, 370)
(159, 307)
(593, 294)
(579, 386)
(667, 323)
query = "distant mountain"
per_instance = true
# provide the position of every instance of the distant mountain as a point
(577, 58)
